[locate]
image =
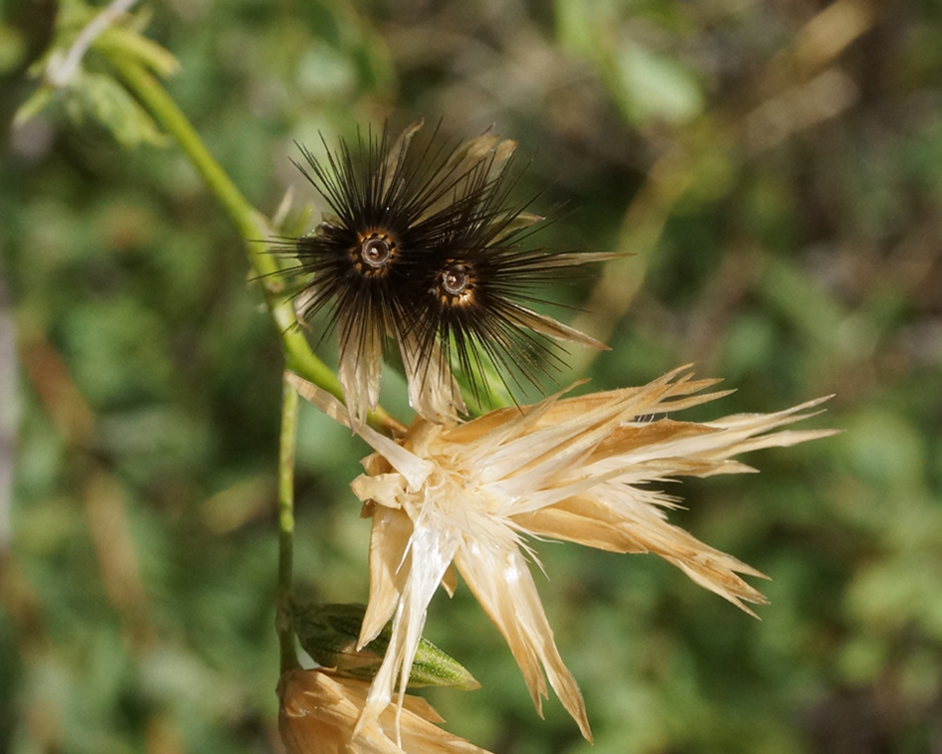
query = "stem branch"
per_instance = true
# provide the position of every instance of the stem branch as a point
(286, 451)
(251, 224)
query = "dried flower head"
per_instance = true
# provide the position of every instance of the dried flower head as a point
(422, 245)
(319, 711)
(575, 469)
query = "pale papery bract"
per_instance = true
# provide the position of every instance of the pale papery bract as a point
(319, 710)
(576, 469)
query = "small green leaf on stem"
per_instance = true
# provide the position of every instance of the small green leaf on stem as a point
(328, 633)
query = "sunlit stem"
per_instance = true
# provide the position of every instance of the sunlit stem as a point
(286, 453)
(250, 223)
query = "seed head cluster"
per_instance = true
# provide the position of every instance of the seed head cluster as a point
(424, 249)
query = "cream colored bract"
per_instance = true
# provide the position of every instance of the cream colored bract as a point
(319, 710)
(578, 469)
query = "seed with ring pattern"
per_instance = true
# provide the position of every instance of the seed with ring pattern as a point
(455, 279)
(375, 252)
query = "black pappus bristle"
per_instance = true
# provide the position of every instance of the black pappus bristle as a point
(382, 202)
(422, 245)
(474, 283)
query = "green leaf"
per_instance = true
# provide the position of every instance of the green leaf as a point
(12, 48)
(37, 102)
(329, 635)
(117, 41)
(104, 99)
(655, 87)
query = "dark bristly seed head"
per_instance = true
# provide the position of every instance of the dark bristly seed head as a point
(422, 242)
(390, 204)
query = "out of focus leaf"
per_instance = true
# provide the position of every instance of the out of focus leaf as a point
(646, 85)
(101, 97)
(12, 48)
(323, 72)
(125, 43)
(654, 87)
(37, 102)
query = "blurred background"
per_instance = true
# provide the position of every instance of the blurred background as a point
(774, 167)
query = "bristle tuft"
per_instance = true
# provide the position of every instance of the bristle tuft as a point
(423, 245)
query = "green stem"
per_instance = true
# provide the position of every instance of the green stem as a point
(251, 224)
(286, 451)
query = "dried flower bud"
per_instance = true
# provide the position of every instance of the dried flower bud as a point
(583, 469)
(320, 710)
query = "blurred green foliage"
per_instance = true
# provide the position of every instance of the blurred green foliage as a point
(774, 166)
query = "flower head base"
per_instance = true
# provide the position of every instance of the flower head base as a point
(575, 469)
(319, 711)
